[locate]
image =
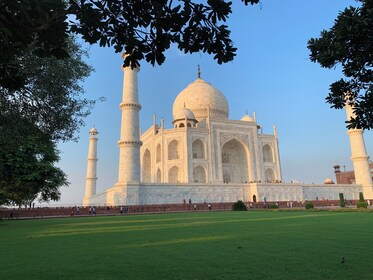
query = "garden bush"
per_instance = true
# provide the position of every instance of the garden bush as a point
(239, 206)
(342, 202)
(273, 206)
(309, 205)
(361, 197)
(362, 204)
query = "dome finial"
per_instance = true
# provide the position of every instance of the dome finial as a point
(246, 112)
(199, 72)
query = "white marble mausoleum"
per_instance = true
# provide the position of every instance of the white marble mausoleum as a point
(205, 156)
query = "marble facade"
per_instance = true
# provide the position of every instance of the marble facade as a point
(204, 156)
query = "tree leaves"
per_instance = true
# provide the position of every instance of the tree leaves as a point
(48, 108)
(146, 29)
(349, 43)
(41, 23)
(27, 158)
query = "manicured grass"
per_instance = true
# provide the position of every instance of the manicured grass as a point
(210, 245)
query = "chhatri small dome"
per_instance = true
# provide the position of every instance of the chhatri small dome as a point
(247, 118)
(200, 96)
(328, 181)
(93, 130)
(184, 113)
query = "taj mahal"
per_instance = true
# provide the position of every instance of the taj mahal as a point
(205, 156)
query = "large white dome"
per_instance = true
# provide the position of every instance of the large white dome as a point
(198, 97)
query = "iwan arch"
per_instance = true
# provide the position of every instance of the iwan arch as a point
(204, 156)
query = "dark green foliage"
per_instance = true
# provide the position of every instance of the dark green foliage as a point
(273, 206)
(342, 202)
(239, 206)
(309, 205)
(40, 23)
(52, 97)
(27, 158)
(143, 29)
(362, 204)
(48, 108)
(361, 197)
(349, 44)
(146, 29)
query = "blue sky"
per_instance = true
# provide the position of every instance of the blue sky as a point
(271, 75)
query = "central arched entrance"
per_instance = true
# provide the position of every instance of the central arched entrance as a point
(235, 162)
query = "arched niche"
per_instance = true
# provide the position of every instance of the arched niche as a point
(173, 175)
(199, 174)
(269, 175)
(158, 153)
(158, 176)
(198, 148)
(173, 150)
(146, 166)
(235, 162)
(267, 153)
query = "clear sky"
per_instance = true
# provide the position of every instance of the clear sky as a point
(271, 75)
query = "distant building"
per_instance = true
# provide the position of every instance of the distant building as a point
(348, 177)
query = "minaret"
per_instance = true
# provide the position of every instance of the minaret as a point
(359, 156)
(91, 178)
(129, 143)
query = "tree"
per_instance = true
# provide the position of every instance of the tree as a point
(52, 97)
(349, 43)
(143, 29)
(48, 108)
(27, 158)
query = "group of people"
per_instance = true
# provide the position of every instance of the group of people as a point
(123, 210)
(195, 205)
(92, 210)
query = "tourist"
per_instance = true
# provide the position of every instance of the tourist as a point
(94, 210)
(89, 210)
(121, 210)
(77, 210)
(209, 206)
(190, 201)
(195, 206)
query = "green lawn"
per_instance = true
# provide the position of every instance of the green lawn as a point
(209, 245)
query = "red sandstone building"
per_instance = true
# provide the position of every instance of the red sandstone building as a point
(347, 177)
